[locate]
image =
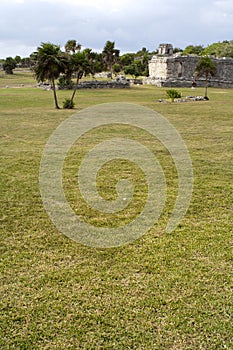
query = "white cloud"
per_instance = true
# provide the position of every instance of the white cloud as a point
(12, 48)
(131, 23)
(224, 5)
(102, 5)
(219, 16)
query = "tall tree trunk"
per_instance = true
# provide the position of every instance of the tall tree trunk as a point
(79, 76)
(74, 91)
(206, 90)
(111, 68)
(206, 85)
(54, 94)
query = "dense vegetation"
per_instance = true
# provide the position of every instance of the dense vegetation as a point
(220, 49)
(109, 59)
(135, 64)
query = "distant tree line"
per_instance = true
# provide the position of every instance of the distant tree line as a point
(219, 49)
(10, 63)
(109, 59)
(135, 64)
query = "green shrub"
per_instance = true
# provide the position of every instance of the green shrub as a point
(68, 104)
(65, 83)
(172, 94)
(8, 65)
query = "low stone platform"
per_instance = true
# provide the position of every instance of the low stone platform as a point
(98, 84)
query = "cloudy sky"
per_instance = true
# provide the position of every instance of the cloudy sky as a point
(132, 24)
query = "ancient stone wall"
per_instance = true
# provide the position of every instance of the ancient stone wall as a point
(177, 70)
(181, 67)
(97, 84)
(158, 67)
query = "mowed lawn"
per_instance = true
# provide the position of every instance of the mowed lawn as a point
(164, 290)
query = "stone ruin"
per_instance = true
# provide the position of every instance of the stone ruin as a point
(174, 70)
(118, 83)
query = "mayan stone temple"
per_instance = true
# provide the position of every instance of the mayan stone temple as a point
(175, 70)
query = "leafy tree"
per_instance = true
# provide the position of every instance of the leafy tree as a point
(136, 64)
(8, 65)
(145, 73)
(110, 55)
(116, 68)
(95, 64)
(27, 62)
(65, 82)
(127, 59)
(227, 50)
(205, 67)
(18, 59)
(50, 61)
(132, 70)
(212, 50)
(142, 66)
(220, 49)
(193, 50)
(142, 58)
(144, 50)
(177, 49)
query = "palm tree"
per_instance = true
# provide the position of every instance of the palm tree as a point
(110, 55)
(206, 67)
(49, 63)
(80, 65)
(72, 46)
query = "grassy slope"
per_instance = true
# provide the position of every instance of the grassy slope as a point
(164, 291)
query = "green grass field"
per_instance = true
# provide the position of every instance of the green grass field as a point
(163, 291)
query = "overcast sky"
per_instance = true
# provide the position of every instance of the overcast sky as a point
(132, 24)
